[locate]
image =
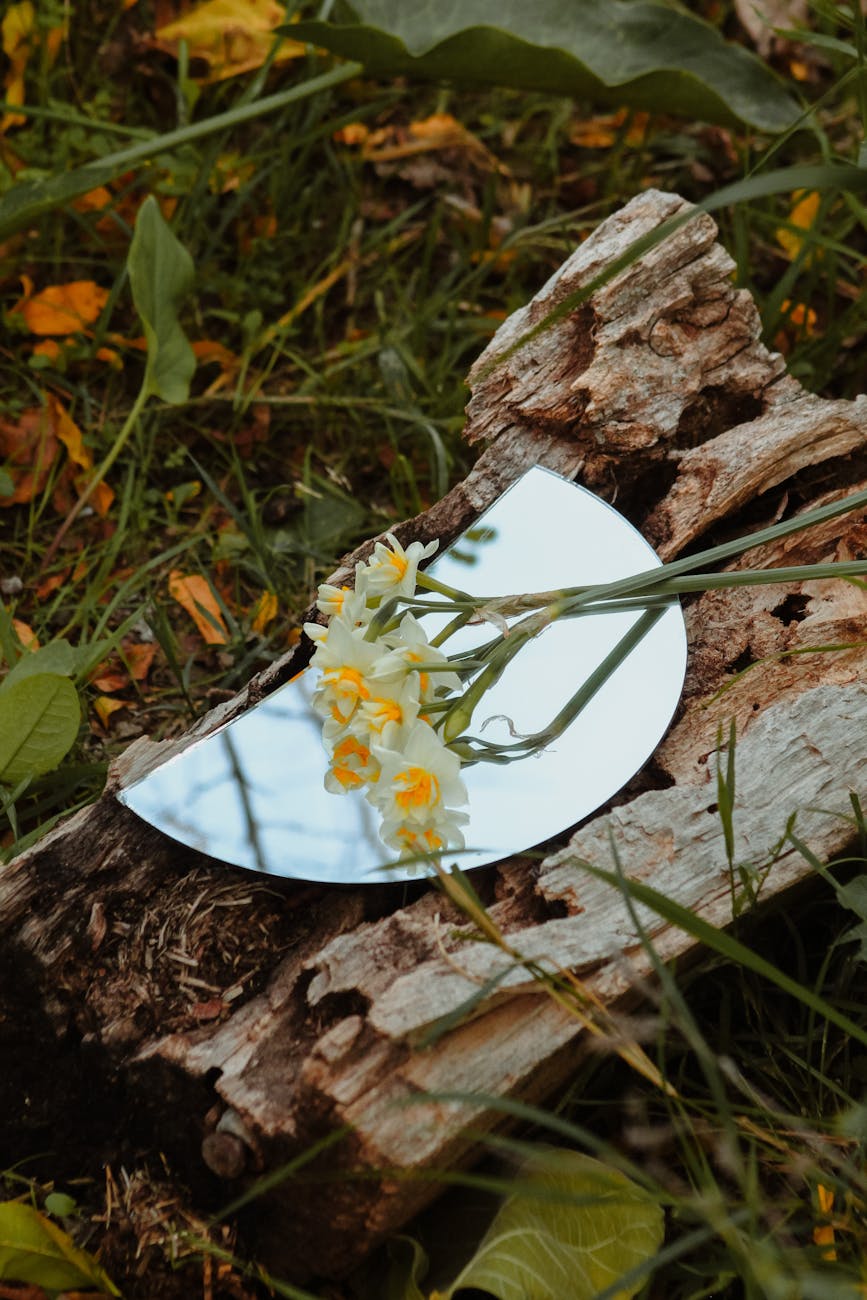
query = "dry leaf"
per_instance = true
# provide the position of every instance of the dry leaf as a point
(104, 707)
(70, 435)
(196, 595)
(139, 657)
(231, 36)
(603, 132)
(264, 611)
(805, 206)
(17, 36)
(61, 308)
(760, 17)
(29, 448)
(25, 634)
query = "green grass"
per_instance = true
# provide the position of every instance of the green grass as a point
(353, 297)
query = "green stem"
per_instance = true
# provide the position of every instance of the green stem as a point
(430, 583)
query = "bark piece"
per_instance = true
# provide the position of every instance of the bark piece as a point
(238, 1020)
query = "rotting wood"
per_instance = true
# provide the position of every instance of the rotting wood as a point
(232, 1021)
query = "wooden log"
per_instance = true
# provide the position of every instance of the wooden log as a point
(231, 1021)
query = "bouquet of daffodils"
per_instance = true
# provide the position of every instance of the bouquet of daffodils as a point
(381, 686)
(396, 708)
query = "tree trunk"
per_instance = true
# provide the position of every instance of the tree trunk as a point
(153, 996)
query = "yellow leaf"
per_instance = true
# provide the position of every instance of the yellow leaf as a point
(63, 308)
(232, 36)
(71, 436)
(264, 611)
(104, 707)
(25, 634)
(17, 39)
(805, 206)
(196, 595)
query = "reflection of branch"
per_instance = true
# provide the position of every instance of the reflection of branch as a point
(246, 805)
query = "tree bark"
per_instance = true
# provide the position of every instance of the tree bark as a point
(231, 1021)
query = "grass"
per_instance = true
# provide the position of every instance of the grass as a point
(350, 292)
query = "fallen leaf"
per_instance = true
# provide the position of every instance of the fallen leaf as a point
(29, 447)
(62, 308)
(196, 595)
(603, 132)
(139, 657)
(17, 36)
(823, 1233)
(71, 436)
(104, 707)
(109, 682)
(264, 611)
(231, 36)
(25, 634)
(805, 206)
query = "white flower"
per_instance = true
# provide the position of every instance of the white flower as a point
(352, 765)
(419, 779)
(396, 706)
(345, 660)
(413, 841)
(393, 572)
(346, 603)
(409, 647)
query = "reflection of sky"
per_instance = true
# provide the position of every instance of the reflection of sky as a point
(253, 793)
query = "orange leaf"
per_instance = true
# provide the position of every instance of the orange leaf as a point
(71, 436)
(196, 595)
(139, 656)
(110, 682)
(25, 634)
(104, 707)
(63, 308)
(29, 448)
(264, 611)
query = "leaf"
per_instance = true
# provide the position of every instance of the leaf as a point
(73, 440)
(63, 308)
(232, 36)
(196, 595)
(575, 1227)
(39, 719)
(408, 1265)
(33, 1249)
(264, 612)
(17, 39)
(29, 447)
(633, 52)
(58, 658)
(161, 275)
(805, 208)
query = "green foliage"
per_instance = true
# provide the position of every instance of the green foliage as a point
(35, 1250)
(647, 55)
(572, 1226)
(39, 720)
(161, 276)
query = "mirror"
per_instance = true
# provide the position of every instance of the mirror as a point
(252, 793)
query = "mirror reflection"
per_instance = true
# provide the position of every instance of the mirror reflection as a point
(253, 793)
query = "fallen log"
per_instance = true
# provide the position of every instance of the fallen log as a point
(231, 1021)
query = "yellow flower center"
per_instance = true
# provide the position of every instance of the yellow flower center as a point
(420, 788)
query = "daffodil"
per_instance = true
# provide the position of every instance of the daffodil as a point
(392, 571)
(419, 779)
(345, 660)
(409, 652)
(352, 765)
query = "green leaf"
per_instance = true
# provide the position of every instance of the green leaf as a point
(39, 720)
(575, 1227)
(33, 1249)
(408, 1266)
(161, 276)
(58, 657)
(647, 55)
